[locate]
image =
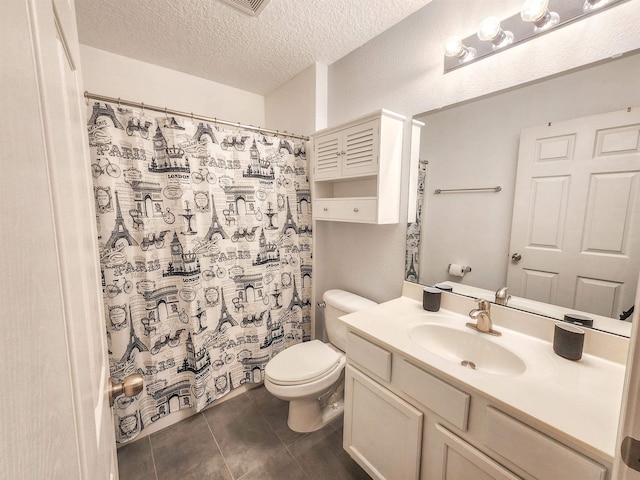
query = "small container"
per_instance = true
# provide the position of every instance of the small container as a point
(431, 299)
(568, 341)
(579, 320)
(444, 287)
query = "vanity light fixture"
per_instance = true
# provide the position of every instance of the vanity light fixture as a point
(537, 12)
(455, 48)
(535, 17)
(491, 31)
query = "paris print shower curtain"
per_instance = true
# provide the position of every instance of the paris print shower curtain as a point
(205, 253)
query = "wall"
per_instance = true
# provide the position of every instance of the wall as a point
(401, 70)
(300, 105)
(476, 144)
(117, 76)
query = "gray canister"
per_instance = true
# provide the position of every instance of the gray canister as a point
(431, 299)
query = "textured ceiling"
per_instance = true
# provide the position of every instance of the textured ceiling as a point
(212, 40)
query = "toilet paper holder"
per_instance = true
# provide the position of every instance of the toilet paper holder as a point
(465, 269)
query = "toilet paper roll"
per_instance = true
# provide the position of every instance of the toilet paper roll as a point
(457, 270)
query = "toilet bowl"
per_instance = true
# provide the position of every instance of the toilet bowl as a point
(310, 375)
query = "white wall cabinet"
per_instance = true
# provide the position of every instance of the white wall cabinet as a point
(460, 435)
(356, 170)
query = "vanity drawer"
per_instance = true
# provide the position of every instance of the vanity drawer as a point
(345, 209)
(369, 356)
(441, 398)
(535, 453)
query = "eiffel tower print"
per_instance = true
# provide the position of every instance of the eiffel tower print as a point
(204, 130)
(411, 275)
(215, 223)
(120, 229)
(225, 316)
(106, 111)
(134, 342)
(296, 301)
(289, 221)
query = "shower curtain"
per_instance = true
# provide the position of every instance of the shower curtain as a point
(205, 253)
(414, 229)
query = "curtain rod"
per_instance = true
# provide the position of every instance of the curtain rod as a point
(168, 111)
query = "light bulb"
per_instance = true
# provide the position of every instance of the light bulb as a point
(454, 47)
(491, 31)
(590, 5)
(537, 12)
(533, 10)
(489, 28)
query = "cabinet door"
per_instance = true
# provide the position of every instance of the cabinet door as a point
(461, 461)
(361, 147)
(328, 149)
(382, 432)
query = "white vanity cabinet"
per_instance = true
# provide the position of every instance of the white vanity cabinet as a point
(356, 170)
(405, 422)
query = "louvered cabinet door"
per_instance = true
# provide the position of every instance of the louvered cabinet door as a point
(328, 156)
(361, 149)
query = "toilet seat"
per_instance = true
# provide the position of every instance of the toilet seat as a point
(302, 363)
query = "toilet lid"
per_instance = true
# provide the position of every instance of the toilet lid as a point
(302, 362)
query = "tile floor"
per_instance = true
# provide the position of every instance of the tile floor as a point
(243, 438)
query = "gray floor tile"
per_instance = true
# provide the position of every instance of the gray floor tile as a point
(187, 450)
(135, 461)
(245, 438)
(275, 411)
(322, 457)
(251, 432)
(278, 468)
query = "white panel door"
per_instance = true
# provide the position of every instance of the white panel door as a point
(576, 216)
(57, 423)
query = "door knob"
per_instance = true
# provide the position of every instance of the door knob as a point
(130, 386)
(516, 257)
(630, 453)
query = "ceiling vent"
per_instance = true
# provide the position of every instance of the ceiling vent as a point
(251, 7)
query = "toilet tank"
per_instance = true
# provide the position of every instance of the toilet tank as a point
(338, 303)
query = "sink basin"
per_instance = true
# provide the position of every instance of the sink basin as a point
(469, 349)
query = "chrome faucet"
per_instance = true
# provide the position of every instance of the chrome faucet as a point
(502, 297)
(482, 315)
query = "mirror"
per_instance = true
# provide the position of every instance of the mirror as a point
(476, 145)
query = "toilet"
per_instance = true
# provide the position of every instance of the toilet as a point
(310, 375)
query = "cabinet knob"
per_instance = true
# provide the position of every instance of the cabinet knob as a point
(325, 209)
(355, 210)
(343, 153)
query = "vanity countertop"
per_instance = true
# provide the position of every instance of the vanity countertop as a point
(578, 401)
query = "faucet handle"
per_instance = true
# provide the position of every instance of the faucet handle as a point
(484, 304)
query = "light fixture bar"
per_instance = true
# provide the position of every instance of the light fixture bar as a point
(568, 11)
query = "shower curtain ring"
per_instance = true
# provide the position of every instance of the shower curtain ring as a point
(142, 103)
(119, 102)
(165, 113)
